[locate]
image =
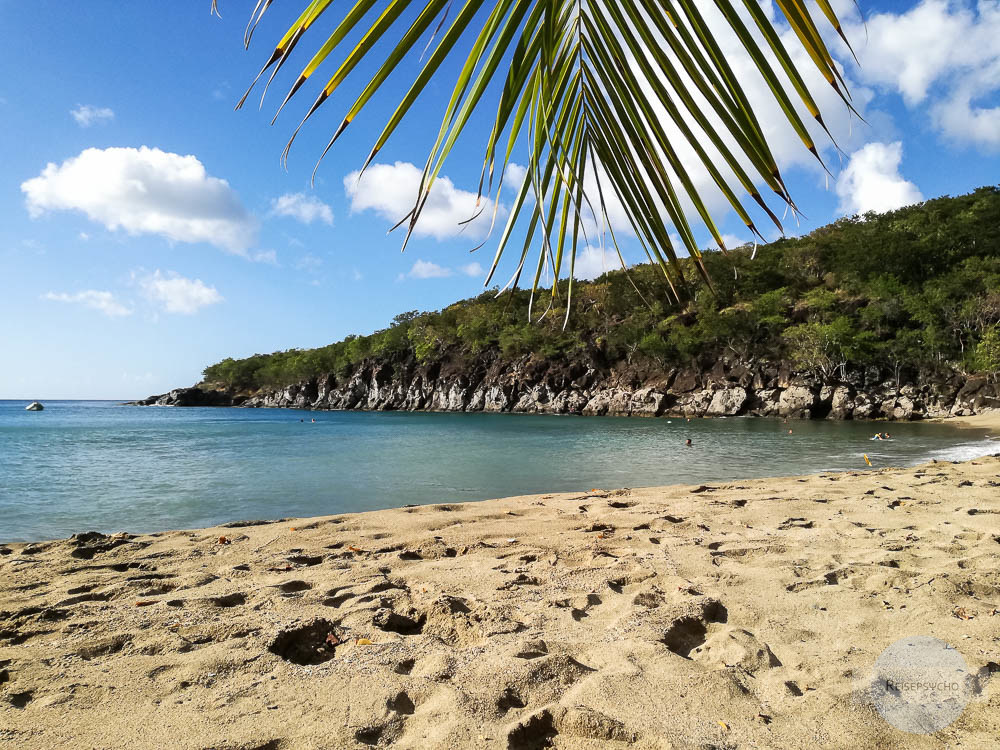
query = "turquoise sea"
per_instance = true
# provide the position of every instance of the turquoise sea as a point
(98, 465)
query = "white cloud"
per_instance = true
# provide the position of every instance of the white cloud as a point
(514, 176)
(942, 55)
(391, 190)
(304, 208)
(424, 269)
(731, 241)
(871, 181)
(86, 115)
(592, 262)
(145, 191)
(265, 256)
(959, 119)
(473, 269)
(84, 236)
(103, 301)
(308, 263)
(177, 294)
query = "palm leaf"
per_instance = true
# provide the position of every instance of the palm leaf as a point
(606, 98)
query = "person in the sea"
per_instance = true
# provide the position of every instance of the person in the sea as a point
(688, 443)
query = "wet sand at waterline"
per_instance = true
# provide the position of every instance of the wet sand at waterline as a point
(989, 420)
(734, 615)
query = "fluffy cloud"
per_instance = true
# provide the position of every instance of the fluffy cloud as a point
(514, 176)
(959, 119)
(309, 263)
(86, 115)
(592, 262)
(871, 181)
(265, 256)
(145, 191)
(943, 56)
(102, 301)
(391, 190)
(424, 269)
(473, 269)
(302, 207)
(177, 294)
(734, 241)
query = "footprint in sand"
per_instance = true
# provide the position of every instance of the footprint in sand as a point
(291, 588)
(583, 607)
(394, 622)
(689, 631)
(309, 644)
(539, 729)
(236, 599)
(401, 703)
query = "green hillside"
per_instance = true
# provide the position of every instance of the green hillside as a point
(913, 290)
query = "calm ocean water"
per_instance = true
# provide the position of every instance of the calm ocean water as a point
(83, 465)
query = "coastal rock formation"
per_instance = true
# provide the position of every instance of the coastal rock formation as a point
(194, 396)
(537, 386)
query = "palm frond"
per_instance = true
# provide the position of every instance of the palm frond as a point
(606, 97)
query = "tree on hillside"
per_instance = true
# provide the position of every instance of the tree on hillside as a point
(988, 354)
(600, 99)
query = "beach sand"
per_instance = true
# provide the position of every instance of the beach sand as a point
(989, 420)
(740, 615)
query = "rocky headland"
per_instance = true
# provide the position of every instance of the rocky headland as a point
(538, 386)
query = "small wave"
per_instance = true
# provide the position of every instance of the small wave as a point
(964, 451)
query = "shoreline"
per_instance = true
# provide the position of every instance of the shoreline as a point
(984, 420)
(989, 420)
(737, 613)
(981, 423)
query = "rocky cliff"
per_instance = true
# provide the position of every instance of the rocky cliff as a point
(535, 386)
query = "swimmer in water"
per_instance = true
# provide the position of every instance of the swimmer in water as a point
(688, 443)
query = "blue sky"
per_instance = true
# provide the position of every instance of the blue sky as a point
(147, 229)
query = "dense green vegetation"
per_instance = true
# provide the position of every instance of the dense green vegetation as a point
(916, 289)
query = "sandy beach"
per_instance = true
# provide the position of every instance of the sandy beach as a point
(738, 615)
(989, 420)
